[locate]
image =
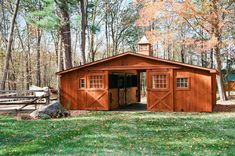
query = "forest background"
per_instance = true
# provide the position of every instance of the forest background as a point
(40, 37)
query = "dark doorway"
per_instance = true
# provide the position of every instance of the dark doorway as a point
(124, 84)
(127, 91)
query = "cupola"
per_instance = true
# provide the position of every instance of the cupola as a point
(144, 47)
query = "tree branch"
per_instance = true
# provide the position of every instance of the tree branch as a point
(193, 28)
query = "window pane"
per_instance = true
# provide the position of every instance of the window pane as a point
(182, 82)
(159, 81)
(96, 81)
(82, 83)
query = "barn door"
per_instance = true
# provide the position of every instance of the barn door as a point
(97, 99)
(97, 93)
(160, 90)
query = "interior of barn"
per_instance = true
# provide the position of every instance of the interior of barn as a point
(127, 90)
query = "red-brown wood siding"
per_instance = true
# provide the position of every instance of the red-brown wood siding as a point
(68, 89)
(128, 63)
(200, 97)
(214, 89)
(83, 98)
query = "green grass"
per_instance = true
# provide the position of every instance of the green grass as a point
(109, 133)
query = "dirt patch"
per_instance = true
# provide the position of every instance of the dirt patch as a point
(224, 108)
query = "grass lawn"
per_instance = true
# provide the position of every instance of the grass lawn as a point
(109, 133)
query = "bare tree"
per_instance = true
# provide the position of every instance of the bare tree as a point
(9, 44)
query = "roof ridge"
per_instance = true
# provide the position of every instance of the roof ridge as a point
(139, 55)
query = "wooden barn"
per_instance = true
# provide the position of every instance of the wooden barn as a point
(115, 81)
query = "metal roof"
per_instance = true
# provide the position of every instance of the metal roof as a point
(230, 77)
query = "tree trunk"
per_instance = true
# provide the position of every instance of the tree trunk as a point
(83, 31)
(4, 27)
(38, 58)
(60, 65)
(55, 38)
(202, 60)
(60, 56)
(65, 33)
(92, 47)
(168, 51)
(75, 48)
(45, 73)
(92, 34)
(211, 57)
(12, 76)
(9, 44)
(113, 36)
(217, 34)
(106, 30)
(116, 47)
(219, 77)
(164, 49)
(28, 62)
(173, 52)
(21, 57)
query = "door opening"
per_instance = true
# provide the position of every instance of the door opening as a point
(125, 91)
(143, 88)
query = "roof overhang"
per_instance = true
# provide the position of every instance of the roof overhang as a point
(138, 55)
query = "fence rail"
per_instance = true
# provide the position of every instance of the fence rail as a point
(24, 98)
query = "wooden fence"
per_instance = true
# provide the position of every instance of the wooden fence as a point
(24, 98)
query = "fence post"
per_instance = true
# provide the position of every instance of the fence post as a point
(47, 96)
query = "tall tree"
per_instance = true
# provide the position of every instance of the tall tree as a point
(120, 18)
(9, 44)
(38, 56)
(63, 11)
(28, 60)
(94, 19)
(83, 6)
(208, 20)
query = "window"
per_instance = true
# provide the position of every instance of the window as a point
(182, 82)
(96, 81)
(144, 47)
(159, 81)
(82, 83)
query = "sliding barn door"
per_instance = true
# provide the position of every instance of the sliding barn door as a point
(160, 90)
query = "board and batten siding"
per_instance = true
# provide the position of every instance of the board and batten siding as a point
(73, 97)
(68, 88)
(198, 96)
